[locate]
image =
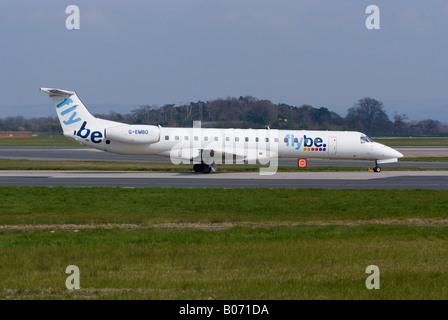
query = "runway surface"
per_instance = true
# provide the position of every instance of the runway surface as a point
(436, 180)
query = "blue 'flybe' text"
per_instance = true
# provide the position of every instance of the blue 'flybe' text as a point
(304, 141)
(83, 132)
(72, 119)
(95, 136)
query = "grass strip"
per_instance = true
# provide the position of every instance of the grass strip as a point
(414, 142)
(40, 141)
(9, 164)
(147, 206)
(425, 159)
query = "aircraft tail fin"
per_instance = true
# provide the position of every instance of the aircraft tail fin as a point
(69, 108)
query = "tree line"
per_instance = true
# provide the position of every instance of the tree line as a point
(367, 115)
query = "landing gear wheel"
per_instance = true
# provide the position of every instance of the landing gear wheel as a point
(377, 169)
(206, 168)
(197, 168)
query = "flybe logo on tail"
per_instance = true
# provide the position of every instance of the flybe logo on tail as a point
(95, 136)
(308, 144)
(83, 132)
(72, 119)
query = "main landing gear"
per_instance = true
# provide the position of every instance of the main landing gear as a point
(204, 168)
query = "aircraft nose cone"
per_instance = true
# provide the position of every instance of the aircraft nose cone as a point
(389, 152)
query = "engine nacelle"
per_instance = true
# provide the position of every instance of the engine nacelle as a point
(133, 133)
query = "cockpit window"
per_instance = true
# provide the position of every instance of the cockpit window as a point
(370, 139)
(365, 139)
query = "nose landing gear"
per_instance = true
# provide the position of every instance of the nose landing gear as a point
(376, 168)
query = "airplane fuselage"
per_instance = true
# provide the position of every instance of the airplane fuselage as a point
(282, 143)
(211, 146)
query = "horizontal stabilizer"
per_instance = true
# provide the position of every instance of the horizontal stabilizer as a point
(57, 92)
(216, 155)
(72, 113)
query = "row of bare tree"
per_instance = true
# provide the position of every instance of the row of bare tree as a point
(367, 115)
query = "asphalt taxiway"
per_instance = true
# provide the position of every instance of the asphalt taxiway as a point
(435, 180)
(90, 154)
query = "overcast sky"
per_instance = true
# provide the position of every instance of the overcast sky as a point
(131, 53)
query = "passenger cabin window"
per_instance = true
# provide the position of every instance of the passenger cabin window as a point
(276, 140)
(227, 138)
(267, 139)
(246, 139)
(205, 138)
(216, 138)
(176, 138)
(285, 140)
(256, 139)
(296, 140)
(167, 137)
(196, 138)
(186, 138)
(237, 139)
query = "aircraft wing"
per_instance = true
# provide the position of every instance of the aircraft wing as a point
(387, 161)
(218, 155)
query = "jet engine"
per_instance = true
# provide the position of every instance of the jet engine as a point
(133, 133)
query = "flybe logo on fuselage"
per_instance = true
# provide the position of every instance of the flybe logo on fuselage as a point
(308, 144)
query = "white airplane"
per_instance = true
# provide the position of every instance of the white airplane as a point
(205, 148)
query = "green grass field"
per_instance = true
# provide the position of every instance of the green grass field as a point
(40, 141)
(305, 262)
(151, 243)
(142, 206)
